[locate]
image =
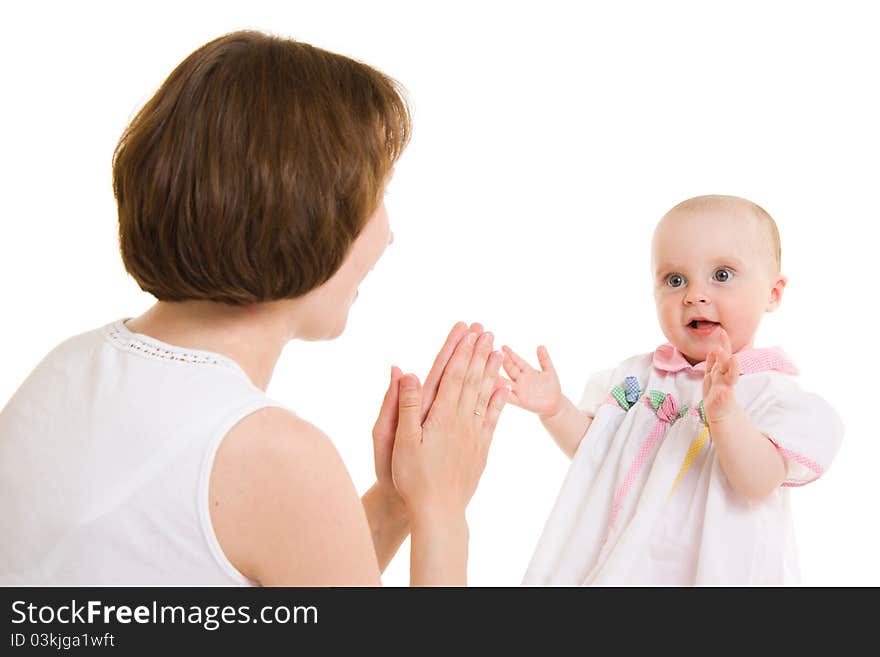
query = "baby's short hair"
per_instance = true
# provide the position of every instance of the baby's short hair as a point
(251, 171)
(714, 201)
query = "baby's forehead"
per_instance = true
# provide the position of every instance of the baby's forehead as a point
(702, 234)
(719, 215)
(707, 224)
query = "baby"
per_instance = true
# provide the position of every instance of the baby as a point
(682, 458)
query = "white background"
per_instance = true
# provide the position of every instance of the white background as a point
(549, 138)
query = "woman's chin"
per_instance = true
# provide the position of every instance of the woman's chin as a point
(325, 331)
(338, 329)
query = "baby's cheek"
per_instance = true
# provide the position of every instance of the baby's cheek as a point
(671, 321)
(743, 331)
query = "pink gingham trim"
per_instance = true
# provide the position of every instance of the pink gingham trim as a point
(805, 461)
(669, 359)
(666, 415)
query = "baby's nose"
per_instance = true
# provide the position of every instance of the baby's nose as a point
(696, 296)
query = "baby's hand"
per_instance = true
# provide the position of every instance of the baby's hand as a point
(722, 373)
(530, 389)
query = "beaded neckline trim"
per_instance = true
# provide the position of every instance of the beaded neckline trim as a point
(132, 342)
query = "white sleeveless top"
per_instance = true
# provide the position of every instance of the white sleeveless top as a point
(105, 455)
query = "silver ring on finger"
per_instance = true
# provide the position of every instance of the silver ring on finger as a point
(477, 413)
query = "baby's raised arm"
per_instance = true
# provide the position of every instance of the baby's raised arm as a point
(752, 463)
(540, 392)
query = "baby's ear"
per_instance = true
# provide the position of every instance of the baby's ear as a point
(776, 293)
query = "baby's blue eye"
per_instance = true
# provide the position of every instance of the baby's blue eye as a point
(722, 275)
(675, 280)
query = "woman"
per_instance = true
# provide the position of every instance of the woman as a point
(250, 194)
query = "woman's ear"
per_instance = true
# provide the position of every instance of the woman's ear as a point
(776, 293)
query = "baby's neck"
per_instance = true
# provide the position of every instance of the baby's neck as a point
(696, 361)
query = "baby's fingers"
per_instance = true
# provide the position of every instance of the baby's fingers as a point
(544, 359)
(732, 374)
(722, 360)
(515, 358)
(510, 367)
(502, 382)
(710, 362)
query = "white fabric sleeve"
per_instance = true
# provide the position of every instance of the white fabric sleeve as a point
(597, 389)
(805, 428)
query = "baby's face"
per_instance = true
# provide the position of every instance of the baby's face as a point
(713, 268)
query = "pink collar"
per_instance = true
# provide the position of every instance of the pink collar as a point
(669, 359)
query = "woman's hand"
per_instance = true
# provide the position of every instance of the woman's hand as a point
(436, 464)
(383, 433)
(385, 427)
(530, 389)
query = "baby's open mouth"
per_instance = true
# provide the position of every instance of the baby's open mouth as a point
(702, 324)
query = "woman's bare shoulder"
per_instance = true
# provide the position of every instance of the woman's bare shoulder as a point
(284, 507)
(276, 431)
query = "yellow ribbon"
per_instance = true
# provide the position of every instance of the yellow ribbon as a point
(692, 452)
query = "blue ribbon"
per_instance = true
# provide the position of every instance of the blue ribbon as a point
(632, 389)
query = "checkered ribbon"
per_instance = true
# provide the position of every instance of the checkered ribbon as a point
(631, 389)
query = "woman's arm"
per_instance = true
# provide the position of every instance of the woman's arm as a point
(386, 512)
(438, 463)
(284, 508)
(388, 519)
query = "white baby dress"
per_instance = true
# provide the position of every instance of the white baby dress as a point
(645, 501)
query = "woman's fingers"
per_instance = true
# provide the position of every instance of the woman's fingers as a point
(473, 379)
(432, 381)
(488, 385)
(409, 409)
(387, 420)
(496, 405)
(449, 389)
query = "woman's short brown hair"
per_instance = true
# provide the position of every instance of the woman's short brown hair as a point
(250, 172)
